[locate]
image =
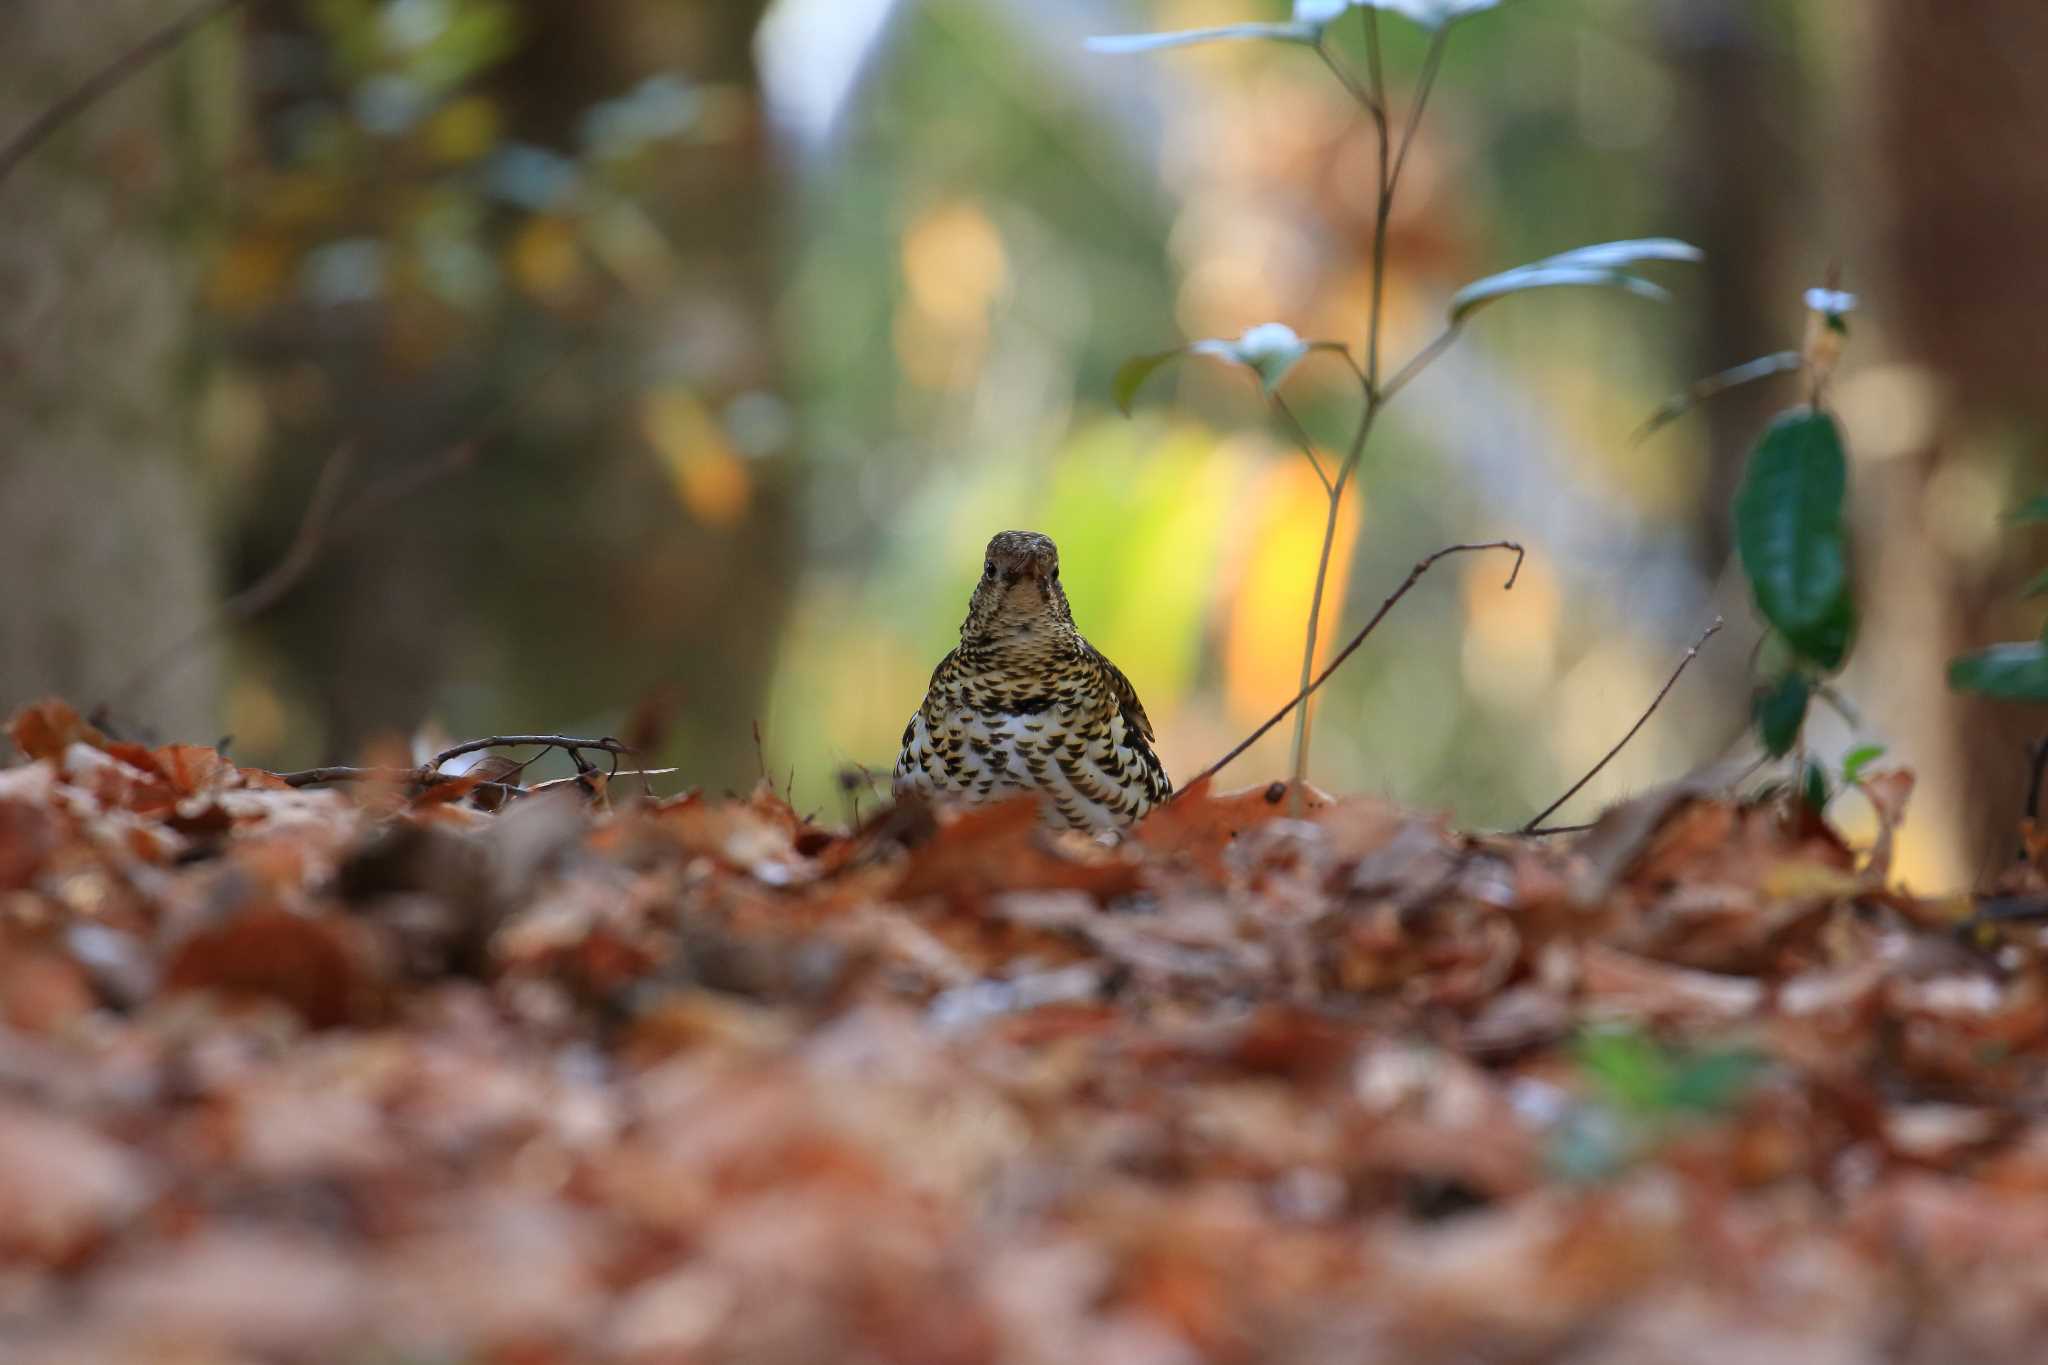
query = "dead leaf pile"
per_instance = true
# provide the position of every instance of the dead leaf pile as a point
(315, 1076)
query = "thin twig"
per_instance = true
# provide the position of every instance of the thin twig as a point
(1351, 647)
(319, 528)
(108, 78)
(1536, 821)
(569, 742)
(1557, 829)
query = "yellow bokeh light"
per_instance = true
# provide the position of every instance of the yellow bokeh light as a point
(1510, 646)
(1268, 610)
(547, 262)
(954, 264)
(710, 478)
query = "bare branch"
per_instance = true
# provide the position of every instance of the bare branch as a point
(568, 742)
(107, 79)
(422, 778)
(320, 527)
(1351, 647)
(1535, 823)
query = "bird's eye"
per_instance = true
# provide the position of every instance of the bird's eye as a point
(988, 568)
(1055, 575)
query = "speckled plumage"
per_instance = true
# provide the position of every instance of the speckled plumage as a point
(1026, 705)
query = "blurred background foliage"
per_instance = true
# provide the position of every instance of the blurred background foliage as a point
(759, 318)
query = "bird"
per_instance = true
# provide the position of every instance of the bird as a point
(1025, 704)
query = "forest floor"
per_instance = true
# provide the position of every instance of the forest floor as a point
(368, 1074)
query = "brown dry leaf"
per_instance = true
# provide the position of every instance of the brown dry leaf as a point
(1006, 846)
(1197, 826)
(45, 729)
(66, 1186)
(316, 965)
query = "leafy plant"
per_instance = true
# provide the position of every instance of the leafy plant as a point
(2018, 670)
(1272, 350)
(1641, 1090)
(1791, 532)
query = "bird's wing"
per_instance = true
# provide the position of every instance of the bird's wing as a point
(1126, 695)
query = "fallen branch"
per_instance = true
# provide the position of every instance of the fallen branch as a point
(1535, 825)
(568, 743)
(422, 778)
(1421, 567)
(429, 774)
(108, 78)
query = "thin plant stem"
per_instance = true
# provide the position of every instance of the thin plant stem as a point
(1421, 361)
(1432, 62)
(1301, 438)
(1376, 78)
(1351, 647)
(105, 81)
(1536, 821)
(1391, 159)
(1358, 92)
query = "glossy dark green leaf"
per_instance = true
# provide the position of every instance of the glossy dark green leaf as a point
(1814, 788)
(1779, 709)
(2009, 672)
(1789, 529)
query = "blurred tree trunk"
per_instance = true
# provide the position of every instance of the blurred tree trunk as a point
(1737, 178)
(103, 558)
(563, 581)
(1958, 114)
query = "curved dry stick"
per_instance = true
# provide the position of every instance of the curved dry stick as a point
(103, 82)
(569, 742)
(1536, 821)
(1421, 567)
(322, 524)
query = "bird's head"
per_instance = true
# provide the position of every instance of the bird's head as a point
(1019, 595)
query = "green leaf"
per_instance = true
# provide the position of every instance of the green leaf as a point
(1788, 527)
(1119, 44)
(2036, 585)
(2034, 509)
(1268, 350)
(2009, 672)
(1815, 788)
(1859, 758)
(1779, 710)
(1132, 374)
(1713, 1081)
(1630, 1068)
(1602, 264)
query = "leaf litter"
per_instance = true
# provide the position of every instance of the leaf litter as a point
(308, 1076)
